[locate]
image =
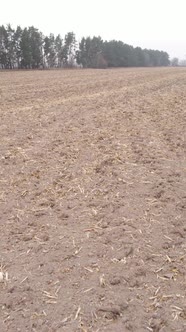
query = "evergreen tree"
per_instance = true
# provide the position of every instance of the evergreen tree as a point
(3, 47)
(69, 50)
(59, 51)
(17, 45)
(49, 51)
(10, 47)
(36, 43)
(26, 51)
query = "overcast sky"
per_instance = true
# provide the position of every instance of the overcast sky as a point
(156, 24)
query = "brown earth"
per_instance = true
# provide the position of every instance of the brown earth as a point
(92, 200)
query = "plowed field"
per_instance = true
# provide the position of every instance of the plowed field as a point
(92, 200)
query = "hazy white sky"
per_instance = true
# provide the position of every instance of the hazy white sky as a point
(156, 24)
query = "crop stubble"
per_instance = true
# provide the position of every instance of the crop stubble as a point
(92, 200)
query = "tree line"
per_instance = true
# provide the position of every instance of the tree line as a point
(28, 48)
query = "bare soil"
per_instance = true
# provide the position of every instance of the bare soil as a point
(92, 200)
